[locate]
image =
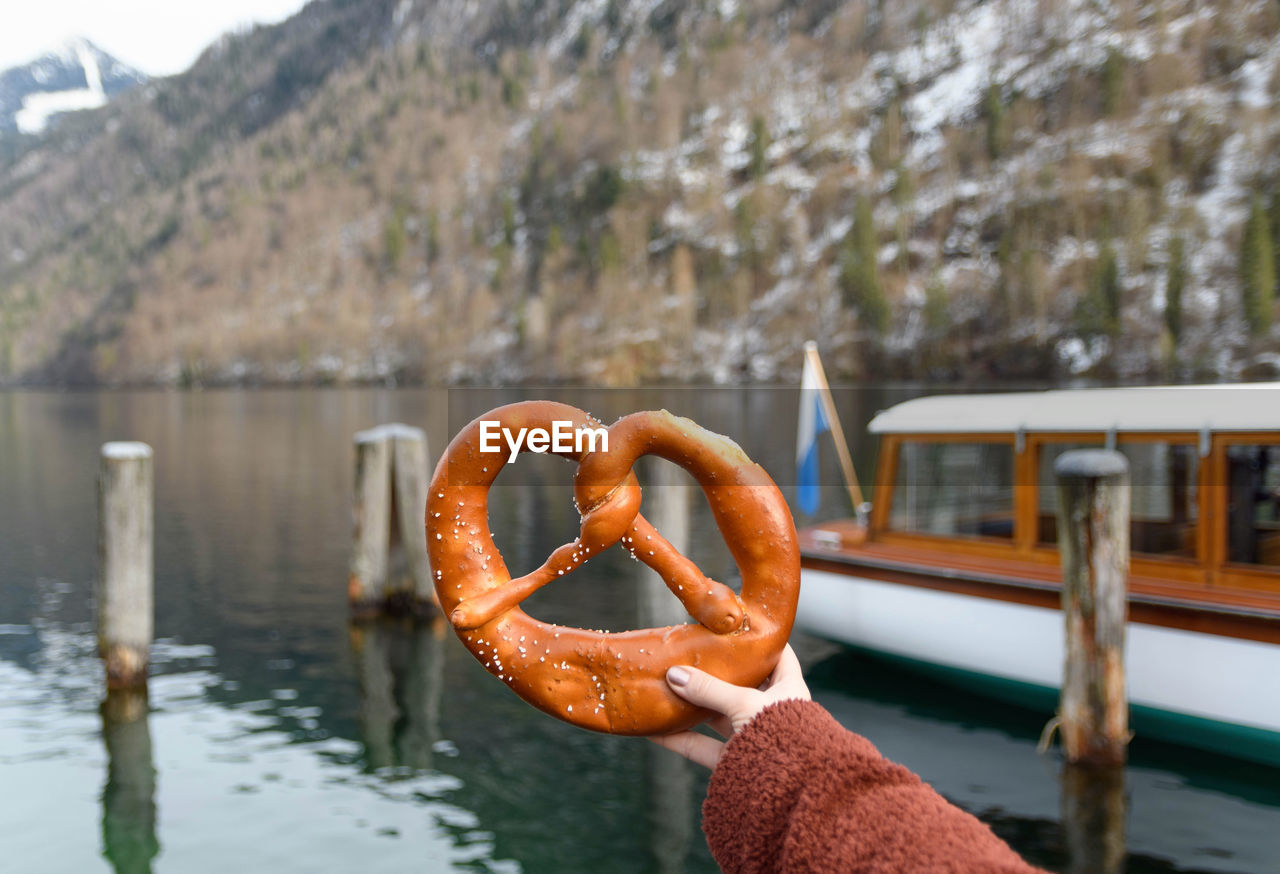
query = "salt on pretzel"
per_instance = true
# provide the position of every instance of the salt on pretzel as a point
(615, 682)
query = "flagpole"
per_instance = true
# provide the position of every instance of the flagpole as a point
(837, 433)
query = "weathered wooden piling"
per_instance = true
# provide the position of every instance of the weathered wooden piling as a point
(668, 504)
(389, 567)
(125, 589)
(1093, 538)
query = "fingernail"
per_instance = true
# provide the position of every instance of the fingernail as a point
(677, 676)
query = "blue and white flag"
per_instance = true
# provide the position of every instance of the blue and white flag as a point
(813, 421)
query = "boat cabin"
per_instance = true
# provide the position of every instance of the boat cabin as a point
(966, 483)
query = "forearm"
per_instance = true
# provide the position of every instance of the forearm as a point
(795, 791)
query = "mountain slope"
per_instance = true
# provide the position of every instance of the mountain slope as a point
(613, 191)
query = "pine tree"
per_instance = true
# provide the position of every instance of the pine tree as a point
(1257, 270)
(759, 145)
(394, 238)
(433, 238)
(937, 308)
(1109, 287)
(1176, 279)
(1099, 311)
(509, 222)
(993, 110)
(859, 276)
(1273, 219)
(1001, 309)
(1112, 82)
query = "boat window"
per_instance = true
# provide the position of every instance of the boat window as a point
(954, 489)
(1163, 504)
(1253, 505)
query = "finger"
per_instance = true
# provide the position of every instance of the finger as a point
(699, 687)
(788, 669)
(693, 746)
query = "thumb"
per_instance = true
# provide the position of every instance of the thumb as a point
(699, 687)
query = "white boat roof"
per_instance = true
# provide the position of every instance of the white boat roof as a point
(1244, 407)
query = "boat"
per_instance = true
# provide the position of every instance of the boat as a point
(955, 568)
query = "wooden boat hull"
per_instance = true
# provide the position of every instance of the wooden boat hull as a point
(1206, 690)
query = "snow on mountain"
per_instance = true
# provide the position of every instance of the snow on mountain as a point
(76, 75)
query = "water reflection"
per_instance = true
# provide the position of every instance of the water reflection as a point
(276, 735)
(1093, 812)
(128, 800)
(244, 785)
(672, 830)
(1171, 809)
(400, 666)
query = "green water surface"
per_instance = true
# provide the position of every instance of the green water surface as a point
(279, 738)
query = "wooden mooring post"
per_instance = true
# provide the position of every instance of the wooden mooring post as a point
(669, 781)
(668, 498)
(1093, 539)
(389, 567)
(125, 588)
(1093, 711)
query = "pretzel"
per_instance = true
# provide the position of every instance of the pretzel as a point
(615, 682)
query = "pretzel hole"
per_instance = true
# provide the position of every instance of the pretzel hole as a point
(531, 511)
(602, 595)
(675, 504)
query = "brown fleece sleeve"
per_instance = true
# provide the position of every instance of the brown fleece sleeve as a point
(796, 791)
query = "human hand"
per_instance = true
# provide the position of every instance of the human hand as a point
(736, 705)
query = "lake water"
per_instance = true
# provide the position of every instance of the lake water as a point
(279, 737)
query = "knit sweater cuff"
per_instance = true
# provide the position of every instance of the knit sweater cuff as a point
(758, 783)
(794, 791)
